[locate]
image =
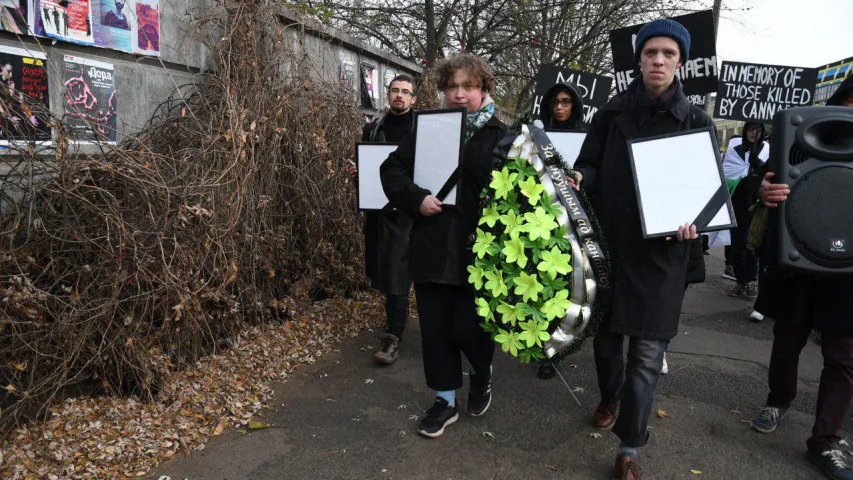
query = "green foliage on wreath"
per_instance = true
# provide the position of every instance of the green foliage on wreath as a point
(521, 256)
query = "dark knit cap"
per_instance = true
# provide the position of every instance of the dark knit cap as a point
(664, 27)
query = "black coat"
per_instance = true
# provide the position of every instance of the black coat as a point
(649, 276)
(386, 233)
(439, 250)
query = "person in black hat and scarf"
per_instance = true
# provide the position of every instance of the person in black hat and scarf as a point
(799, 303)
(648, 276)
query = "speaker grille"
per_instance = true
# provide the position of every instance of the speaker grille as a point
(819, 215)
(796, 155)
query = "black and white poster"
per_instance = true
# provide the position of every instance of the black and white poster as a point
(750, 91)
(595, 89)
(698, 75)
(90, 99)
(24, 76)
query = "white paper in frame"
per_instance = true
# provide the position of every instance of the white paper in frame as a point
(438, 145)
(568, 143)
(369, 157)
(675, 177)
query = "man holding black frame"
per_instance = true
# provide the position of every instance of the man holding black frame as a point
(648, 275)
(386, 233)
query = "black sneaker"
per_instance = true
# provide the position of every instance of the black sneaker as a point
(480, 393)
(832, 463)
(440, 415)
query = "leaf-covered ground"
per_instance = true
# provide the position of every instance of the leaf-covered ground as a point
(109, 437)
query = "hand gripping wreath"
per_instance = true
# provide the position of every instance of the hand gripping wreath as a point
(536, 255)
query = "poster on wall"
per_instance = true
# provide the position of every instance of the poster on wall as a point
(698, 75)
(115, 21)
(751, 91)
(24, 75)
(368, 86)
(594, 89)
(347, 76)
(13, 16)
(66, 20)
(147, 27)
(387, 76)
(90, 99)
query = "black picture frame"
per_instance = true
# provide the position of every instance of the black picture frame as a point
(358, 179)
(722, 178)
(458, 180)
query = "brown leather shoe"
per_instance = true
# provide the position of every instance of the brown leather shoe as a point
(389, 350)
(605, 415)
(627, 469)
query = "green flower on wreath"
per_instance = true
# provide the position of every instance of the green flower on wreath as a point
(527, 286)
(534, 333)
(476, 276)
(554, 262)
(514, 251)
(490, 216)
(511, 313)
(502, 182)
(511, 222)
(532, 190)
(556, 307)
(484, 309)
(495, 283)
(509, 342)
(539, 224)
(483, 242)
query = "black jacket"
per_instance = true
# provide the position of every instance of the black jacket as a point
(825, 303)
(439, 250)
(386, 233)
(575, 120)
(746, 193)
(649, 276)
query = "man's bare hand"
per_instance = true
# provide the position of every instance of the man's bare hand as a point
(772, 193)
(686, 232)
(430, 206)
(351, 169)
(576, 184)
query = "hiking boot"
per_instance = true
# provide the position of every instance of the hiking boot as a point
(664, 369)
(546, 370)
(480, 393)
(769, 419)
(439, 416)
(389, 350)
(738, 291)
(832, 463)
(605, 415)
(627, 468)
(751, 290)
(756, 316)
(729, 272)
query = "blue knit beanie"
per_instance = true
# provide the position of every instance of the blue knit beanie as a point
(664, 27)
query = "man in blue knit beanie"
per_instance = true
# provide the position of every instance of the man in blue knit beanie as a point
(649, 276)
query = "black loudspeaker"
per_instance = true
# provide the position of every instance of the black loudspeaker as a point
(812, 152)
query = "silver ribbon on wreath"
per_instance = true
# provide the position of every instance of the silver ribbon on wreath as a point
(589, 265)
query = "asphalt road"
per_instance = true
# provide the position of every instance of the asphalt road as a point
(347, 418)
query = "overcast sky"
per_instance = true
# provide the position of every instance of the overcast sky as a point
(799, 33)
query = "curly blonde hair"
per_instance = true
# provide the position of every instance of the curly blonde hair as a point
(476, 67)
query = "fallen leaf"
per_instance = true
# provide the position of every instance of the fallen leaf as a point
(577, 390)
(218, 430)
(662, 413)
(401, 407)
(368, 381)
(489, 434)
(696, 472)
(551, 467)
(413, 417)
(595, 435)
(256, 425)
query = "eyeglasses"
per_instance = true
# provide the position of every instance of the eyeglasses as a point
(403, 92)
(564, 102)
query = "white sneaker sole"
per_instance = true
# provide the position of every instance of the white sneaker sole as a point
(729, 277)
(440, 432)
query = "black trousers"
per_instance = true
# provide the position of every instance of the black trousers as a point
(450, 327)
(397, 312)
(744, 260)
